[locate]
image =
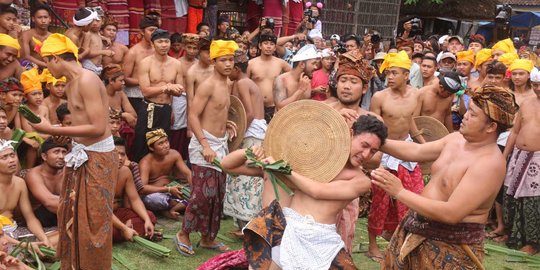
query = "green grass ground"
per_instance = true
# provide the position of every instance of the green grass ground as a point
(140, 259)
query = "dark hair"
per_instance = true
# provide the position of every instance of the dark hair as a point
(38, 8)
(352, 37)
(430, 58)
(82, 13)
(176, 38)
(64, 56)
(242, 66)
(495, 67)
(223, 19)
(148, 22)
(200, 25)
(119, 141)
(370, 124)
(295, 64)
(62, 111)
(8, 9)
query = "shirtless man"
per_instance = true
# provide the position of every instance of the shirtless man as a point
(322, 202)
(45, 182)
(155, 169)
(88, 103)
(56, 96)
(436, 100)
(113, 77)
(199, 71)
(397, 106)
(8, 21)
(295, 85)
(191, 46)
(5, 132)
(15, 193)
(9, 51)
(81, 25)
(525, 148)
(11, 95)
(41, 19)
(207, 115)
(160, 78)
(93, 44)
(264, 69)
(521, 83)
(109, 29)
(428, 68)
(460, 193)
(481, 59)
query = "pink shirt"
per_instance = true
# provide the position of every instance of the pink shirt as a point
(319, 78)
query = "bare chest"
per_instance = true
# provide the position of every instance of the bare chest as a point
(162, 72)
(9, 203)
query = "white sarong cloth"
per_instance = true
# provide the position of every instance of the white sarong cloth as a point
(179, 110)
(257, 129)
(88, 64)
(307, 244)
(392, 163)
(133, 92)
(78, 156)
(219, 145)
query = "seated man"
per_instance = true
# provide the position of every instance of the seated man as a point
(45, 182)
(130, 216)
(7, 261)
(155, 168)
(304, 232)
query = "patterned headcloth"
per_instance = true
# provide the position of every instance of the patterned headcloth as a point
(7, 40)
(154, 136)
(478, 39)
(465, 56)
(204, 44)
(111, 71)
(31, 80)
(220, 48)
(352, 63)
(240, 57)
(189, 38)
(498, 103)
(508, 58)
(482, 56)
(57, 44)
(6, 144)
(11, 84)
(506, 46)
(524, 64)
(5, 221)
(49, 78)
(404, 42)
(400, 59)
(115, 114)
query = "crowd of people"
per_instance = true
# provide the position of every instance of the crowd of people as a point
(121, 134)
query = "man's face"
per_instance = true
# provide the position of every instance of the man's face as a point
(118, 83)
(536, 88)
(95, 26)
(349, 89)
(147, 33)
(35, 97)
(8, 55)
(363, 147)
(191, 50)
(496, 53)
(3, 120)
(204, 57)
(58, 89)
(114, 125)
(442, 92)
(41, 19)
(8, 162)
(318, 42)
(310, 66)
(418, 48)
(235, 74)
(455, 46)
(520, 77)
(267, 47)
(333, 42)
(475, 121)
(253, 51)
(397, 77)
(161, 147)
(205, 28)
(243, 47)
(8, 21)
(224, 64)
(494, 79)
(121, 150)
(54, 66)
(55, 157)
(428, 68)
(13, 98)
(408, 50)
(176, 46)
(417, 60)
(162, 46)
(327, 63)
(110, 31)
(464, 68)
(447, 63)
(223, 27)
(66, 122)
(351, 45)
(475, 47)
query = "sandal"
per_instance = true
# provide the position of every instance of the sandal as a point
(219, 247)
(184, 249)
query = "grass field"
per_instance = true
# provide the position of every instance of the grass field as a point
(139, 259)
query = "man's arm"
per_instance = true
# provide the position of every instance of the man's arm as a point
(85, 46)
(129, 67)
(236, 163)
(376, 104)
(38, 189)
(26, 51)
(514, 132)
(335, 190)
(285, 67)
(144, 168)
(448, 123)
(129, 113)
(134, 199)
(280, 93)
(190, 85)
(182, 167)
(94, 53)
(248, 70)
(413, 130)
(245, 97)
(410, 151)
(26, 210)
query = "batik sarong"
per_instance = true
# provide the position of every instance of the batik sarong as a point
(125, 214)
(523, 175)
(274, 9)
(419, 244)
(521, 220)
(269, 113)
(346, 223)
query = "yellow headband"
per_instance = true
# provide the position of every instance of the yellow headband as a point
(220, 48)
(508, 58)
(482, 56)
(524, 64)
(49, 78)
(7, 40)
(400, 59)
(57, 44)
(465, 56)
(31, 80)
(154, 136)
(5, 221)
(506, 46)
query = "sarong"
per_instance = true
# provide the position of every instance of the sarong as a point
(254, 13)
(413, 251)
(88, 64)
(46, 217)
(386, 213)
(219, 145)
(195, 16)
(235, 259)
(346, 223)
(269, 113)
(273, 9)
(243, 198)
(266, 230)
(523, 175)
(521, 220)
(296, 13)
(159, 201)
(150, 116)
(85, 210)
(203, 213)
(180, 142)
(125, 214)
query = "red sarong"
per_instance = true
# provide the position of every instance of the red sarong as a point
(195, 16)
(274, 9)
(125, 214)
(254, 13)
(386, 213)
(180, 142)
(296, 13)
(136, 13)
(235, 259)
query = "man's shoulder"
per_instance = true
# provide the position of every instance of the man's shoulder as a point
(34, 174)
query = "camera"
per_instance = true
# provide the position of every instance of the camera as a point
(504, 12)
(375, 37)
(309, 14)
(416, 26)
(270, 23)
(339, 48)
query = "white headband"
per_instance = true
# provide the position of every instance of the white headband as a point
(88, 20)
(535, 75)
(6, 144)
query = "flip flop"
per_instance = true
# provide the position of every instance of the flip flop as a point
(493, 235)
(217, 247)
(180, 246)
(377, 259)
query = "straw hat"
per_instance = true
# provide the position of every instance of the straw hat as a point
(432, 130)
(237, 114)
(312, 137)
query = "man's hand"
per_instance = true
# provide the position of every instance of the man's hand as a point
(128, 233)
(148, 228)
(350, 116)
(34, 144)
(61, 140)
(130, 119)
(387, 181)
(300, 36)
(232, 129)
(321, 89)
(35, 246)
(175, 191)
(209, 154)
(268, 160)
(258, 152)
(305, 83)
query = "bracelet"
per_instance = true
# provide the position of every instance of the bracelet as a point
(168, 189)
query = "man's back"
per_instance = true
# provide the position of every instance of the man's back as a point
(431, 104)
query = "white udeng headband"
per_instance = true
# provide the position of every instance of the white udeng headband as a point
(88, 20)
(535, 75)
(6, 144)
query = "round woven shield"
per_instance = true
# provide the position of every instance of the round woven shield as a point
(312, 137)
(237, 114)
(432, 130)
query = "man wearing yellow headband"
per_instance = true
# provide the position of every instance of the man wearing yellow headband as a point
(521, 199)
(450, 215)
(57, 94)
(480, 64)
(502, 47)
(465, 64)
(208, 114)
(520, 80)
(9, 51)
(397, 105)
(33, 38)
(90, 165)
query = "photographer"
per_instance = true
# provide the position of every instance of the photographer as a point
(372, 43)
(412, 28)
(223, 25)
(311, 16)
